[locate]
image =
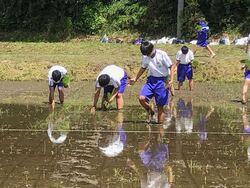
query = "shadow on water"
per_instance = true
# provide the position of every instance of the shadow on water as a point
(196, 146)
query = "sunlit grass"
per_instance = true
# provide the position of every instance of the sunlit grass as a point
(85, 59)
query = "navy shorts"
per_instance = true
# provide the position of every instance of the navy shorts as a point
(247, 74)
(121, 89)
(59, 85)
(183, 71)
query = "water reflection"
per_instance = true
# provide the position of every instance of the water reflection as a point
(154, 156)
(170, 114)
(58, 127)
(202, 124)
(117, 140)
(184, 121)
(246, 128)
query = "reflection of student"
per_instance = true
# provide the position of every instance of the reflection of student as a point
(202, 124)
(154, 155)
(246, 128)
(184, 121)
(170, 113)
(57, 128)
(117, 141)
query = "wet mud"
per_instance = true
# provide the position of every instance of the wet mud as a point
(203, 142)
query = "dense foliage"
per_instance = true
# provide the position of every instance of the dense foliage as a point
(62, 18)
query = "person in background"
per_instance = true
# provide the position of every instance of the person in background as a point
(184, 58)
(113, 80)
(59, 78)
(202, 36)
(246, 67)
(158, 64)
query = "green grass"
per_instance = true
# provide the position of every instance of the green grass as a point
(85, 59)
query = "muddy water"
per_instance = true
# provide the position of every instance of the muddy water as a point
(197, 146)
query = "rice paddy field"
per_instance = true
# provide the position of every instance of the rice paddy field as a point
(203, 142)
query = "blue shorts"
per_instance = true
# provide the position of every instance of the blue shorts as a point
(247, 74)
(184, 70)
(155, 86)
(59, 85)
(121, 89)
(185, 110)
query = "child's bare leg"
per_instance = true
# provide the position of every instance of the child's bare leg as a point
(146, 105)
(161, 114)
(191, 84)
(179, 85)
(61, 95)
(119, 101)
(210, 50)
(244, 90)
(51, 94)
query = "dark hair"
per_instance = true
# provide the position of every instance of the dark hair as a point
(103, 80)
(184, 49)
(56, 75)
(146, 48)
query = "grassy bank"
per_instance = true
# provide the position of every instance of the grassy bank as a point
(30, 61)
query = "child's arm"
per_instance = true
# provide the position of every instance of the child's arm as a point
(172, 71)
(140, 72)
(96, 97)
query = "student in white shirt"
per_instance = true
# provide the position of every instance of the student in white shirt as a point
(158, 64)
(112, 79)
(184, 58)
(56, 75)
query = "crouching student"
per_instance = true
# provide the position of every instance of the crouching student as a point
(59, 78)
(158, 64)
(113, 80)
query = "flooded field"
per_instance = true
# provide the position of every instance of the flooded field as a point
(204, 141)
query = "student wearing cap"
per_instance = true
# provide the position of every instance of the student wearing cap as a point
(56, 77)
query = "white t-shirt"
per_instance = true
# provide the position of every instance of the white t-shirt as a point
(159, 65)
(116, 74)
(56, 67)
(185, 58)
